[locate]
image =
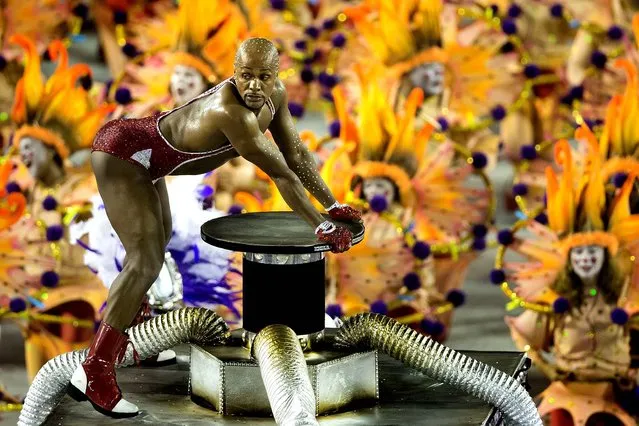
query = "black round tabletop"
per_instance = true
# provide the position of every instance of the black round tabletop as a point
(269, 233)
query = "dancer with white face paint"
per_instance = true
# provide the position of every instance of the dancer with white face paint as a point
(577, 287)
(186, 84)
(587, 261)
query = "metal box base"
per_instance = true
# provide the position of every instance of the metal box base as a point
(228, 380)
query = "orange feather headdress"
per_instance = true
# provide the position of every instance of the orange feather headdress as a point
(56, 112)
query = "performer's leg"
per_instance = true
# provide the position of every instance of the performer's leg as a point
(167, 222)
(133, 207)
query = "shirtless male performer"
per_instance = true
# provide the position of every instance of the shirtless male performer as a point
(130, 159)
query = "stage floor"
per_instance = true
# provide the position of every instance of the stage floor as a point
(406, 397)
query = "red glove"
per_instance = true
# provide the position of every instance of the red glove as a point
(340, 238)
(344, 213)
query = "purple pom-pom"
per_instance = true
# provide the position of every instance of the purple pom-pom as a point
(561, 305)
(412, 281)
(497, 276)
(81, 11)
(479, 160)
(338, 40)
(12, 187)
(307, 75)
(379, 307)
(479, 244)
(329, 24)
(434, 328)
(17, 304)
(86, 82)
(300, 44)
(619, 179)
(509, 27)
(278, 4)
(615, 33)
(532, 71)
(514, 11)
(334, 311)
(119, 17)
(520, 189)
(205, 191)
(54, 233)
(443, 123)
(335, 128)
(235, 209)
(479, 230)
(378, 203)
(327, 80)
(576, 92)
(498, 113)
(123, 96)
(619, 316)
(297, 110)
(557, 10)
(542, 218)
(49, 279)
(456, 297)
(421, 250)
(49, 203)
(598, 59)
(528, 152)
(505, 237)
(130, 50)
(312, 32)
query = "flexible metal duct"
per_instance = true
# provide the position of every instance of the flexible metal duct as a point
(373, 331)
(187, 325)
(285, 375)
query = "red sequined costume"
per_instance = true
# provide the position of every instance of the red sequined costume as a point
(140, 141)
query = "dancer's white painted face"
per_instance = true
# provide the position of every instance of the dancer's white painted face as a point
(36, 156)
(186, 83)
(587, 261)
(378, 186)
(429, 77)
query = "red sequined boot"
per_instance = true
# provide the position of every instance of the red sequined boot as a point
(163, 358)
(95, 378)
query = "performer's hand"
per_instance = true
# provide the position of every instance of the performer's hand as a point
(339, 237)
(344, 213)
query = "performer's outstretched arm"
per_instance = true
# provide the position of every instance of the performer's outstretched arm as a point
(243, 132)
(297, 156)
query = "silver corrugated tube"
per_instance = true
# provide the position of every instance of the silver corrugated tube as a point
(283, 367)
(187, 325)
(373, 331)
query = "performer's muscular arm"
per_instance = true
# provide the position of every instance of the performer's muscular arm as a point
(296, 154)
(242, 129)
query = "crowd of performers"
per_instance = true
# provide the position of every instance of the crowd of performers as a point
(421, 98)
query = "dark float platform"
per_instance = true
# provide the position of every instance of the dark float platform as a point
(406, 398)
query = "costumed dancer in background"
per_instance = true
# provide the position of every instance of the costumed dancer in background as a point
(576, 283)
(47, 21)
(419, 45)
(193, 273)
(537, 37)
(43, 271)
(421, 210)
